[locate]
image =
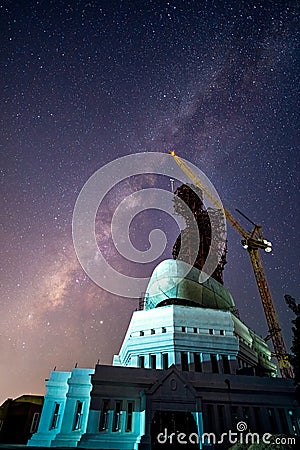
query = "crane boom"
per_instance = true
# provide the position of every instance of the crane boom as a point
(211, 197)
(252, 242)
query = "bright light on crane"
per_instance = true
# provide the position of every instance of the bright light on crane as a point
(268, 247)
(259, 243)
(244, 244)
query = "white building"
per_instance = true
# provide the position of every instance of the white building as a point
(187, 365)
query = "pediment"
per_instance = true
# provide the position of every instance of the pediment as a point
(172, 384)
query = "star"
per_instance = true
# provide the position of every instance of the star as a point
(88, 84)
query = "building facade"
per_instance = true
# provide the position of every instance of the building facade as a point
(188, 366)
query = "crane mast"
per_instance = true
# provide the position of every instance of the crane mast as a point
(252, 242)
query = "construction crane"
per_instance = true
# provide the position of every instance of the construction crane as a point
(252, 242)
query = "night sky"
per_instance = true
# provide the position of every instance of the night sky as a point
(86, 82)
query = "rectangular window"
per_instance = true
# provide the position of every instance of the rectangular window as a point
(211, 331)
(141, 362)
(195, 330)
(221, 417)
(258, 420)
(142, 333)
(272, 418)
(184, 361)
(163, 330)
(78, 416)
(214, 363)
(35, 422)
(117, 416)
(183, 329)
(153, 361)
(283, 421)
(222, 332)
(130, 408)
(165, 361)
(234, 415)
(103, 424)
(209, 419)
(246, 414)
(152, 331)
(197, 361)
(293, 420)
(55, 417)
(226, 364)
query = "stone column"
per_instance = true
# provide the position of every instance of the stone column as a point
(79, 391)
(145, 423)
(57, 388)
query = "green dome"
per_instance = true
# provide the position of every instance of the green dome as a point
(174, 281)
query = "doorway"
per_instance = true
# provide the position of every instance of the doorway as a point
(166, 427)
